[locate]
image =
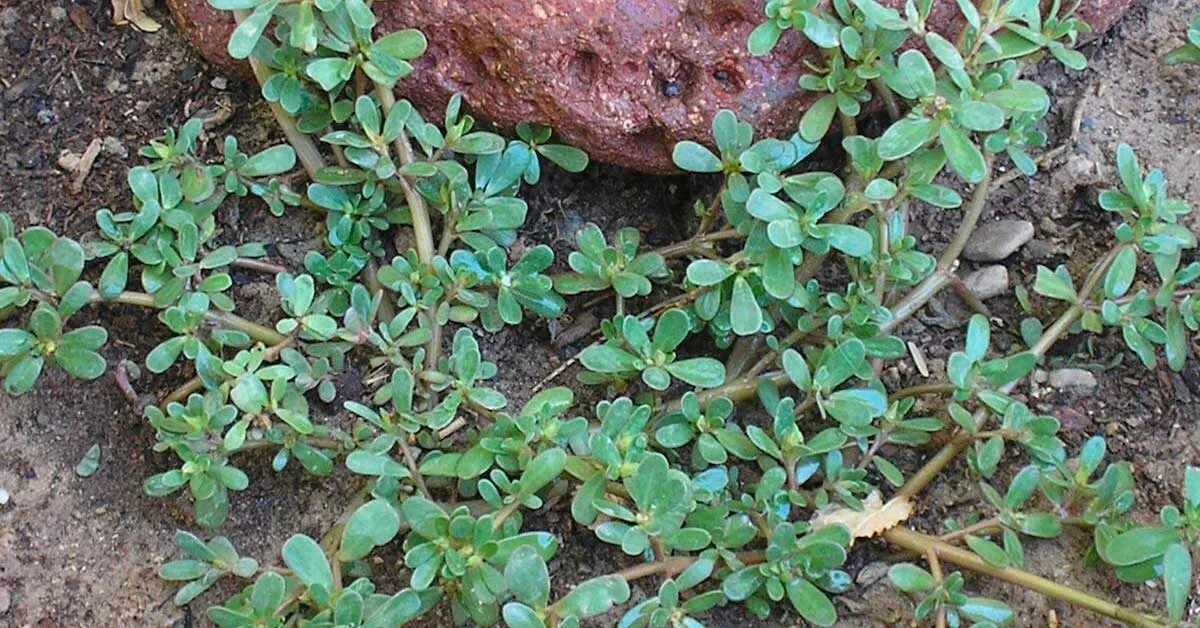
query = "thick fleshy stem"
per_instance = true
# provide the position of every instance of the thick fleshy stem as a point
(923, 544)
(306, 150)
(259, 265)
(422, 226)
(258, 332)
(971, 214)
(676, 564)
(948, 262)
(697, 244)
(418, 209)
(935, 568)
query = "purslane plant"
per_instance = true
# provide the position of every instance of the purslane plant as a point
(599, 266)
(728, 503)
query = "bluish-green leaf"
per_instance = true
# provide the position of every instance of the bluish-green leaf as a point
(1177, 579)
(763, 38)
(1138, 545)
(910, 578)
(375, 523)
(812, 604)
(245, 37)
(693, 157)
(964, 156)
(307, 562)
(904, 137)
(700, 372)
(1120, 274)
(744, 313)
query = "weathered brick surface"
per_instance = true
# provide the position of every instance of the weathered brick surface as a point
(622, 79)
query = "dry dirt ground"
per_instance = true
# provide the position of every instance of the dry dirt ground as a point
(82, 552)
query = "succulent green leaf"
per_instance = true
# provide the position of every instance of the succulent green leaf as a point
(375, 523)
(910, 578)
(245, 37)
(89, 463)
(307, 561)
(812, 604)
(693, 157)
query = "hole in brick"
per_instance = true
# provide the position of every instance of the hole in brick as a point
(729, 77)
(672, 74)
(583, 67)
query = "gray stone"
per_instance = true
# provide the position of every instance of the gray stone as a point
(5, 601)
(988, 282)
(1077, 381)
(4, 496)
(995, 241)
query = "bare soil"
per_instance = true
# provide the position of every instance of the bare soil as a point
(82, 552)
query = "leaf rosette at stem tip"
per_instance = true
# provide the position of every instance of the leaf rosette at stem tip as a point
(630, 350)
(600, 266)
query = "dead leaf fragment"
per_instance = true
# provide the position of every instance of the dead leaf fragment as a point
(79, 16)
(133, 12)
(874, 518)
(918, 357)
(80, 165)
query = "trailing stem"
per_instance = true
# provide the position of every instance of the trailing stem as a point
(923, 544)
(422, 226)
(258, 332)
(1052, 334)
(419, 210)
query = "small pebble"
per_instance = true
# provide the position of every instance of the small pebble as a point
(114, 147)
(1077, 381)
(4, 496)
(68, 159)
(220, 82)
(58, 13)
(872, 573)
(995, 241)
(1082, 171)
(988, 282)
